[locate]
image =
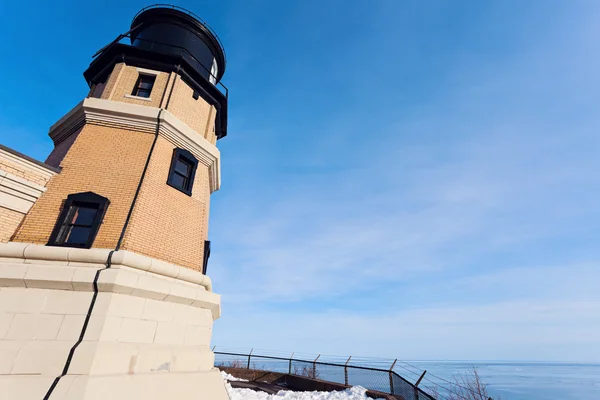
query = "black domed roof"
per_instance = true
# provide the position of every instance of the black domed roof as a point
(179, 31)
(170, 39)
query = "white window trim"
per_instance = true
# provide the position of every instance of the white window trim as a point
(130, 96)
(148, 71)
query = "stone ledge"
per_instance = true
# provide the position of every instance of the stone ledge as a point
(67, 256)
(113, 280)
(18, 194)
(28, 164)
(63, 268)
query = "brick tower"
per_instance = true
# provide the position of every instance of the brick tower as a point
(103, 285)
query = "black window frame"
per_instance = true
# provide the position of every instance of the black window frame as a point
(63, 226)
(137, 88)
(186, 157)
(206, 256)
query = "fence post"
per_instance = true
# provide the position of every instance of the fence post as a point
(249, 355)
(315, 367)
(292, 356)
(346, 371)
(417, 384)
(392, 376)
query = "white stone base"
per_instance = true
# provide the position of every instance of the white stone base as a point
(147, 336)
(180, 386)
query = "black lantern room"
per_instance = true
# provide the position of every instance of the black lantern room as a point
(169, 38)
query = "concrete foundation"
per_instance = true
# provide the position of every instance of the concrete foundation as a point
(133, 327)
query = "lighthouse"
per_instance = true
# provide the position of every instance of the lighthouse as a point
(104, 285)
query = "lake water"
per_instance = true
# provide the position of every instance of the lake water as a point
(525, 381)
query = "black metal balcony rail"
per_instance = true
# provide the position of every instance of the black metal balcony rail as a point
(128, 35)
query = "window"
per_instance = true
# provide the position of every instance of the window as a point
(183, 169)
(79, 221)
(214, 69)
(206, 256)
(143, 86)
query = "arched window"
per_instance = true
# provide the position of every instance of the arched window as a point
(183, 170)
(79, 220)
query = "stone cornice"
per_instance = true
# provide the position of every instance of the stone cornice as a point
(69, 255)
(142, 119)
(27, 163)
(46, 267)
(18, 194)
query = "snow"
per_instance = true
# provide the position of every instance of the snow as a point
(232, 378)
(354, 393)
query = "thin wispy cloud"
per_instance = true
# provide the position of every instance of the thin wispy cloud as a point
(461, 226)
(399, 179)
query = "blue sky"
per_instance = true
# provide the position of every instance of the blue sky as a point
(402, 179)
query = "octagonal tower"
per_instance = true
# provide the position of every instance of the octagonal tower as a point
(104, 280)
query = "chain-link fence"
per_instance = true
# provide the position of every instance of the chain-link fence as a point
(337, 371)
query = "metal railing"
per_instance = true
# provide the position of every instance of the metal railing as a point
(352, 372)
(128, 35)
